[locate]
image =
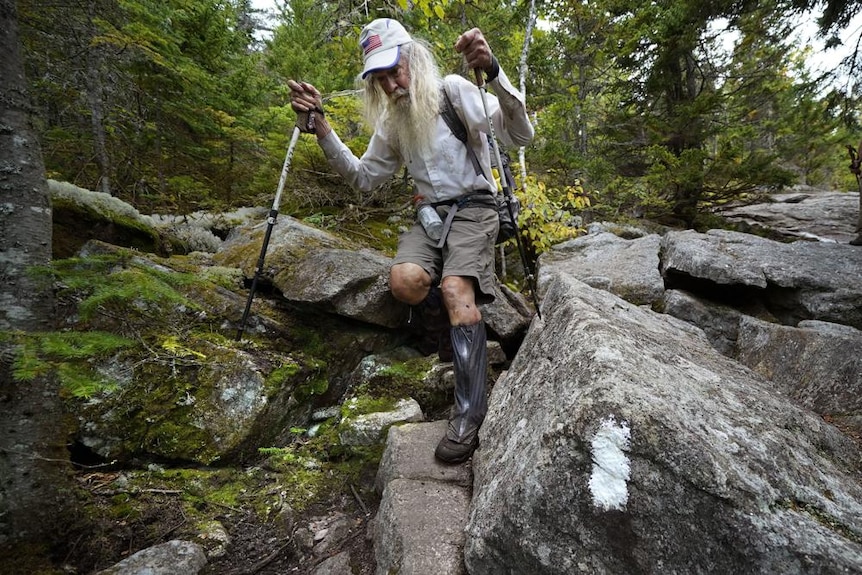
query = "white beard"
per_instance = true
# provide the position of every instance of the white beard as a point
(411, 128)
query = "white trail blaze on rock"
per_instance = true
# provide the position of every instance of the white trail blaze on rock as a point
(611, 469)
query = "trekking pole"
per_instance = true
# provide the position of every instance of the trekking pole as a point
(504, 188)
(856, 163)
(856, 169)
(270, 223)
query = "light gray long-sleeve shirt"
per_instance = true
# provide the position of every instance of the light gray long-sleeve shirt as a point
(446, 171)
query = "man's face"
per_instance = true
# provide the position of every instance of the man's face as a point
(395, 81)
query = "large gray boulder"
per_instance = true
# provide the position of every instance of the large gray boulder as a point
(818, 364)
(795, 281)
(628, 268)
(195, 409)
(720, 323)
(311, 266)
(804, 213)
(620, 441)
(169, 558)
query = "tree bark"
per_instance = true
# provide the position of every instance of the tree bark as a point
(523, 70)
(95, 60)
(34, 463)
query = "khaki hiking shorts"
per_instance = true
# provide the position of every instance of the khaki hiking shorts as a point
(468, 251)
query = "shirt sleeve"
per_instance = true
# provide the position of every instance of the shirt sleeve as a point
(377, 164)
(513, 112)
(512, 125)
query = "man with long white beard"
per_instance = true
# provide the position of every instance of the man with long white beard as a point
(403, 97)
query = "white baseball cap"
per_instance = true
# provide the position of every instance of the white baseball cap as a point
(381, 42)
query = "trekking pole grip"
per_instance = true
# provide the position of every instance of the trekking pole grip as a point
(480, 79)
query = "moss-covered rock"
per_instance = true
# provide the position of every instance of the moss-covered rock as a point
(81, 215)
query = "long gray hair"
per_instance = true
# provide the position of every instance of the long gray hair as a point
(411, 126)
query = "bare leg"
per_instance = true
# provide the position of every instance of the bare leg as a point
(460, 299)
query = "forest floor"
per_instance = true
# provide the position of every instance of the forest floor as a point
(122, 522)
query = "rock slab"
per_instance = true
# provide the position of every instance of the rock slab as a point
(419, 527)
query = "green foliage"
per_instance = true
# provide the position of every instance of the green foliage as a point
(71, 356)
(364, 404)
(194, 114)
(167, 91)
(316, 465)
(104, 282)
(547, 214)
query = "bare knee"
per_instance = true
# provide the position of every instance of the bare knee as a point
(409, 283)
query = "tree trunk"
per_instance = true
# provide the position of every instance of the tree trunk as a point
(34, 463)
(523, 70)
(97, 117)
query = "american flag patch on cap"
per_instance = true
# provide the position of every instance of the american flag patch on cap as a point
(371, 43)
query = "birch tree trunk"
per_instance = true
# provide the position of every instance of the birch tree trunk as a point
(523, 70)
(34, 463)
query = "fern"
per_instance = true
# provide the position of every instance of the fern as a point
(27, 365)
(132, 285)
(68, 355)
(121, 280)
(82, 345)
(173, 345)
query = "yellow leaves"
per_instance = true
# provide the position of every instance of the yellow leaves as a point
(547, 214)
(576, 197)
(172, 345)
(429, 9)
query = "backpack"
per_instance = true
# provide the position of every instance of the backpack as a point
(508, 206)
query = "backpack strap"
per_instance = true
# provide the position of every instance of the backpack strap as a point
(450, 116)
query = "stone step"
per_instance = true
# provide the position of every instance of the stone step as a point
(419, 527)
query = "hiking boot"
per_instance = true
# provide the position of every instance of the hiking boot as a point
(457, 451)
(469, 343)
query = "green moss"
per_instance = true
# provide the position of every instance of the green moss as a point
(313, 344)
(385, 235)
(316, 384)
(228, 278)
(213, 337)
(409, 378)
(178, 440)
(281, 375)
(316, 468)
(364, 404)
(409, 371)
(124, 507)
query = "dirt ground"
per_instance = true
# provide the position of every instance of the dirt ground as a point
(286, 543)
